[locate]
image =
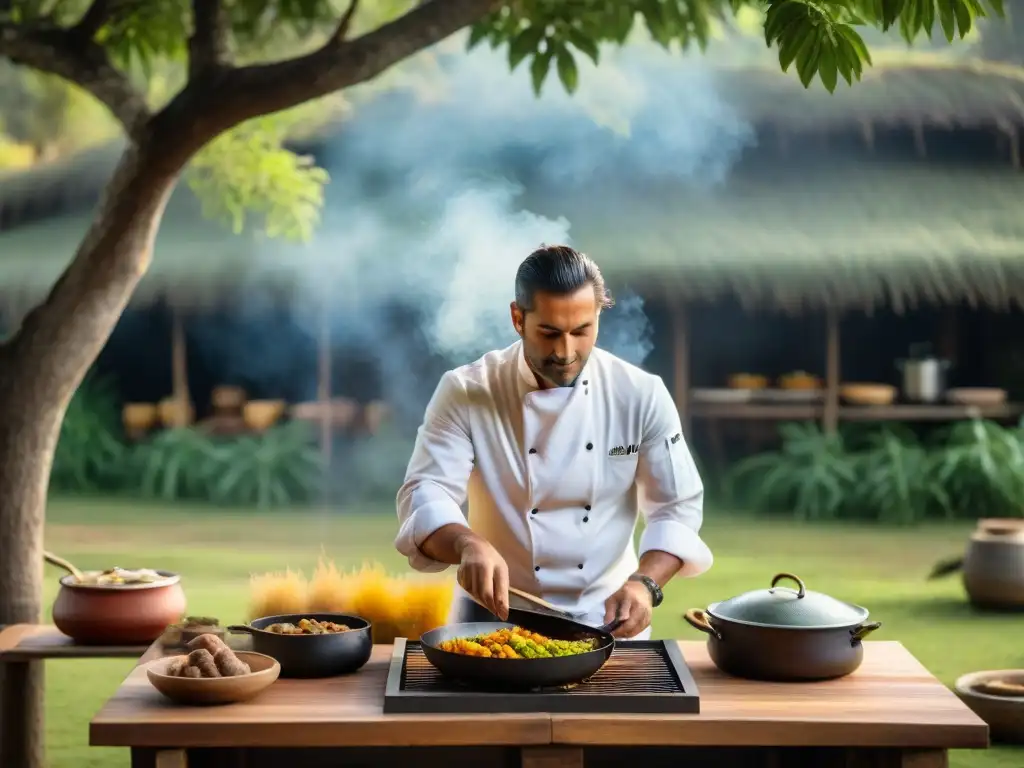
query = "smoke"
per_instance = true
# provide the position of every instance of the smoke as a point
(430, 205)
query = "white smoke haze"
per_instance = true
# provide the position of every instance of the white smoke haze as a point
(420, 211)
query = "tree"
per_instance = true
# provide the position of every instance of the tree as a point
(111, 48)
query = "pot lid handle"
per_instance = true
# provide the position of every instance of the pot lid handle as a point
(802, 589)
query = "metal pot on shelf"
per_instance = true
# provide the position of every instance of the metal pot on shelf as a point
(783, 634)
(924, 375)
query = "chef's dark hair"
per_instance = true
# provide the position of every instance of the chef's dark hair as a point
(560, 270)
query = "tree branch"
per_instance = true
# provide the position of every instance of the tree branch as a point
(208, 46)
(63, 52)
(204, 110)
(346, 21)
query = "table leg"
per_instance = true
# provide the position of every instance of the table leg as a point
(21, 715)
(552, 757)
(924, 758)
(159, 758)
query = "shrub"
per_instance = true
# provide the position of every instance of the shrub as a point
(275, 468)
(91, 452)
(971, 469)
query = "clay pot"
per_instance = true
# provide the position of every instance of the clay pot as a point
(172, 414)
(262, 414)
(993, 568)
(131, 614)
(139, 416)
(115, 614)
(225, 398)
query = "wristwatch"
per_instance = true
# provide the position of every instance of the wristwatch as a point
(657, 596)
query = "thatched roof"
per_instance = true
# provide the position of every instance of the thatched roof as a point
(854, 235)
(924, 89)
(825, 233)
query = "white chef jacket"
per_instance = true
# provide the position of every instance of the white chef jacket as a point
(555, 478)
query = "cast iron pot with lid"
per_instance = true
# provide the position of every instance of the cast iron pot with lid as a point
(783, 634)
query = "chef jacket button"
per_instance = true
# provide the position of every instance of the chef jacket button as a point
(536, 567)
(586, 519)
(580, 566)
(590, 446)
(585, 383)
(587, 507)
(533, 511)
(533, 450)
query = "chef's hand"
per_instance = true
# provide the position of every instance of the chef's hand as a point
(633, 604)
(484, 575)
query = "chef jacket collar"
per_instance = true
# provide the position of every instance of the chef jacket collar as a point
(529, 380)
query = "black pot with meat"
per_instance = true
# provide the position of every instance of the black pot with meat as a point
(312, 644)
(783, 634)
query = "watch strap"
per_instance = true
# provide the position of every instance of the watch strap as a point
(657, 596)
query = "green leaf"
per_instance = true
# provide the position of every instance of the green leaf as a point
(585, 45)
(947, 19)
(525, 43)
(477, 35)
(793, 47)
(567, 71)
(827, 66)
(807, 62)
(964, 16)
(539, 70)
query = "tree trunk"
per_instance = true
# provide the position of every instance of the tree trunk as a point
(40, 368)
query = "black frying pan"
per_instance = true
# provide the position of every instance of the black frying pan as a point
(521, 674)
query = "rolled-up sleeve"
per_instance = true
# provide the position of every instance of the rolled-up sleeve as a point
(671, 491)
(435, 481)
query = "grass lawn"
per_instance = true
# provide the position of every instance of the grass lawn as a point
(216, 551)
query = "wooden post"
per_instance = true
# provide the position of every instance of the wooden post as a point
(867, 130)
(948, 335)
(919, 143)
(179, 367)
(680, 362)
(831, 417)
(323, 386)
(21, 715)
(1014, 141)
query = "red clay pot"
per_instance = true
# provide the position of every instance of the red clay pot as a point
(130, 614)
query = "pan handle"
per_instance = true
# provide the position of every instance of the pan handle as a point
(241, 629)
(698, 619)
(859, 633)
(611, 626)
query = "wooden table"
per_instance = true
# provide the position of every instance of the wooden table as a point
(21, 647)
(892, 713)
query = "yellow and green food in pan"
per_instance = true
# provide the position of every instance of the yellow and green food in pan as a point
(515, 643)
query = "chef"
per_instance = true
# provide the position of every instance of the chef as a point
(558, 447)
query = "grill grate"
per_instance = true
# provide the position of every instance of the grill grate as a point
(640, 677)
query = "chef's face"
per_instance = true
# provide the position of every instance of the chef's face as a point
(558, 334)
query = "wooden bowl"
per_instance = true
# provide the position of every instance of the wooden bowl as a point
(978, 396)
(748, 381)
(226, 398)
(139, 415)
(798, 380)
(868, 394)
(1004, 714)
(215, 690)
(262, 414)
(172, 414)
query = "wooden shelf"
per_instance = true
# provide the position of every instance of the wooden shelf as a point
(945, 412)
(894, 412)
(757, 411)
